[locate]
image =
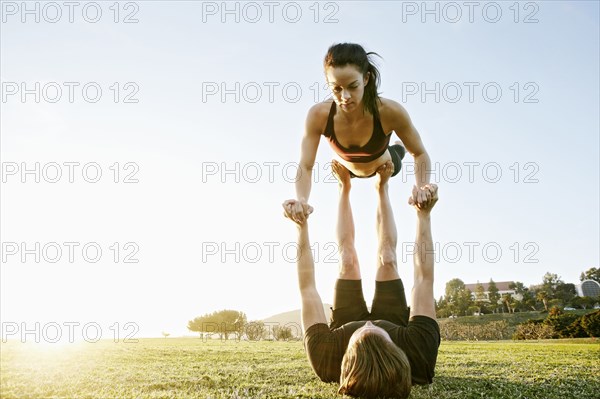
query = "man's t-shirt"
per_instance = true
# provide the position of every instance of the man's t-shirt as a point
(419, 340)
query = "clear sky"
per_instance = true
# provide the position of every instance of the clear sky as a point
(193, 114)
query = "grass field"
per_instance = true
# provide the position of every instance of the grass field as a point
(192, 368)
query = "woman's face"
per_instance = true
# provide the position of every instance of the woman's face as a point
(347, 85)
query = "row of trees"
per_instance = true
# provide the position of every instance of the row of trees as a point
(458, 301)
(590, 274)
(556, 324)
(553, 291)
(225, 323)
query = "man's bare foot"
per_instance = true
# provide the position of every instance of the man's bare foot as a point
(383, 173)
(341, 173)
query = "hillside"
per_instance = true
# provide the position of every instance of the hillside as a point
(293, 318)
(512, 319)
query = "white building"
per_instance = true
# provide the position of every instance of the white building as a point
(503, 288)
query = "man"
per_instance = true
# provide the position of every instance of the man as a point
(384, 352)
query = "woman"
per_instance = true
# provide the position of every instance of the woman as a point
(358, 124)
(384, 352)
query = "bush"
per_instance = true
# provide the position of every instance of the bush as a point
(256, 330)
(591, 324)
(282, 333)
(575, 330)
(494, 330)
(534, 329)
(560, 323)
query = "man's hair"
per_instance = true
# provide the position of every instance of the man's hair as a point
(374, 367)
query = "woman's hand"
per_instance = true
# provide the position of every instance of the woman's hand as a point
(421, 195)
(428, 195)
(297, 211)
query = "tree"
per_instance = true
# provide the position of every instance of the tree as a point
(165, 334)
(480, 299)
(546, 293)
(590, 274)
(231, 322)
(442, 308)
(458, 297)
(239, 325)
(542, 296)
(525, 299)
(197, 325)
(493, 295)
(507, 300)
(465, 302)
(256, 330)
(560, 322)
(550, 283)
(519, 288)
(282, 333)
(584, 302)
(566, 293)
(453, 287)
(576, 330)
(591, 324)
(206, 324)
(223, 322)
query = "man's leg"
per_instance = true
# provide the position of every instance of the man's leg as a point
(389, 301)
(386, 228)
(349, 267)
(348, 301)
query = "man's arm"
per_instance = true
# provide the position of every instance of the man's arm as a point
(312, 306)
(422, 303)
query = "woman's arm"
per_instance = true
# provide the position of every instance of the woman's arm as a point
(312, 306)
(308, 153)
(402, 125)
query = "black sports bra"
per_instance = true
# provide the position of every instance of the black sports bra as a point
(375, 148)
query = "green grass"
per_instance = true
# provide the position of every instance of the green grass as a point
(191, 368)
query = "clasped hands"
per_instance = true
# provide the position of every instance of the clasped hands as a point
(423, 199)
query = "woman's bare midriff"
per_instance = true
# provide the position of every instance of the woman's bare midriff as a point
(368, 168)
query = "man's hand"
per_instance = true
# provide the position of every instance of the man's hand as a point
(420, 196)
(296, 211)
(429, 195)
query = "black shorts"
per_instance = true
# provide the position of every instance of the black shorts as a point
(389, 303)
(397, 152)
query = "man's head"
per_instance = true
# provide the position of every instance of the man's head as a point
(373, 366)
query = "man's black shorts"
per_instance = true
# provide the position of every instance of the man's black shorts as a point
(389, 303)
